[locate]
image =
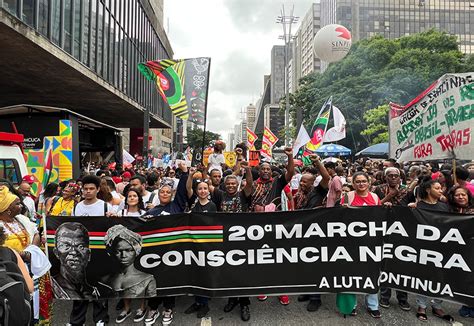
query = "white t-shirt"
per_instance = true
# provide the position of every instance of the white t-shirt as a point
(317, 180)
(215, 161)
(295, 181)
(122, 201)
(154, 202)
(30, 205)
(96, 209)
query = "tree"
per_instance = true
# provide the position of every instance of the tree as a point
(378, 71)
(377, 124)
(194, 138)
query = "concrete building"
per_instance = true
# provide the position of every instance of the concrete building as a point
(250, 115)
(243, 131)
(237, 134)
(274, 119)
(261, 103)
(230, 141)
(390, 18)
(83, 56)
(277, 75)
(395, 18)
(310, 25)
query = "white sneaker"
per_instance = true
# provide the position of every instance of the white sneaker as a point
(100, 323)
(151, 317)
(167, 317)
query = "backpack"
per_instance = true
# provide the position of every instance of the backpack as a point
(15, 307)
(150, 199)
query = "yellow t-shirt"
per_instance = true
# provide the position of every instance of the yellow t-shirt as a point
(63, 207)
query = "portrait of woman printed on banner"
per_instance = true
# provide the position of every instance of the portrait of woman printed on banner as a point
(124, 246)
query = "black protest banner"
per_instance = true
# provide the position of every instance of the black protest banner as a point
(323, 250)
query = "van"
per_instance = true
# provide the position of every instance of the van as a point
(12, 161)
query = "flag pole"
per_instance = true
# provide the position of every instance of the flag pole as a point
(205, 112)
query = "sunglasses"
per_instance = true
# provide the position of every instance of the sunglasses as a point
(201, 180)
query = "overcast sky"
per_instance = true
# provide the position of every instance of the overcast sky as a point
(238, 35)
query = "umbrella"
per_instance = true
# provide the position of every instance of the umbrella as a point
(333, 150)
(375, 151)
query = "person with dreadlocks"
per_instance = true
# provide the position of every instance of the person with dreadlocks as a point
(266, 188)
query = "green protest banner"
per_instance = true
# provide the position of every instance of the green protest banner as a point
(437, 124)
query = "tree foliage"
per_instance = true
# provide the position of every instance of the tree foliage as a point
(378, 71)
(377, 124)
(194, 138)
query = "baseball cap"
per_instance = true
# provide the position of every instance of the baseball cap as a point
(126, 174)
(29, 179)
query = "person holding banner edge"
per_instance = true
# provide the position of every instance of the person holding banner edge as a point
(201, 204)
(429, 193)
(461, 201)
(167, 207)
(391, 193)
(308, 197)
(233, 200)
(361, 196)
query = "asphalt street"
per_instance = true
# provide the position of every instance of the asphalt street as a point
(271, 312)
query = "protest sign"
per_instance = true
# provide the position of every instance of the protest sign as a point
(321, 250)
(254, 158)
(437, 124)
(230, 158)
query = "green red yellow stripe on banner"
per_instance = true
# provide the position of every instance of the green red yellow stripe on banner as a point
(160, 237)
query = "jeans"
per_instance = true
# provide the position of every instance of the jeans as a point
(315, 297)
(201, 300)
(79, 311)
(422, 302)
(243, 301)
(372, 301)
(386, 293)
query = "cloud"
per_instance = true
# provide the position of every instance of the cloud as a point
(259, 16)
(238, 35)
(237, 73)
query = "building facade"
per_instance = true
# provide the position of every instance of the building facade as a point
(83, 54)
(310, 25)
(230, 141)
(389, 18)
(274, 119)
(277, 75)
(250, 115)
(395, 18)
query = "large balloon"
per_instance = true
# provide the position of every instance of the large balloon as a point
(332, 43)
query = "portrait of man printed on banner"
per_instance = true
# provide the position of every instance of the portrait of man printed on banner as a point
(73, 252)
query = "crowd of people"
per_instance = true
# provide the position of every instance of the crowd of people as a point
(138, 191)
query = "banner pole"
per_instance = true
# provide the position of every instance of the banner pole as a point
(454, 171)
(205, 112)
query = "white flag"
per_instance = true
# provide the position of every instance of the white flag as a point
(337, 132)
(301, 140)
(127, 158)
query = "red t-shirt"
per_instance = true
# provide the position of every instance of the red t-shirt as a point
(363, 201)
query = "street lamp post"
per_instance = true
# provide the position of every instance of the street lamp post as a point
(286, 22)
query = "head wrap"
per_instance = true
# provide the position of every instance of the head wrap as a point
(391, 169)
(436, 175)
(6, 198)
(120, 231)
